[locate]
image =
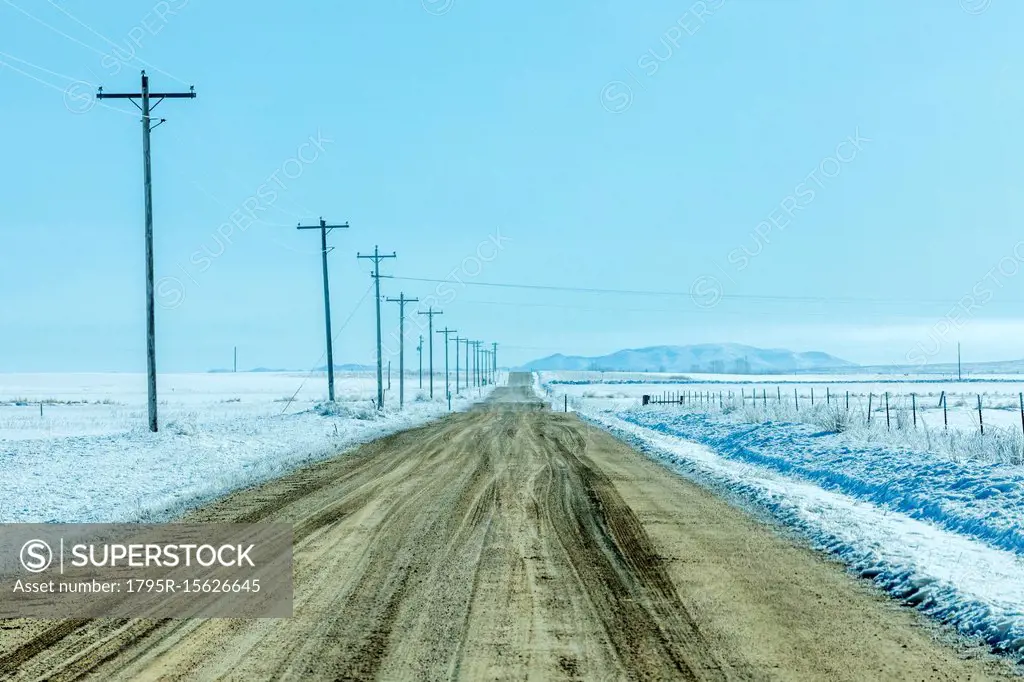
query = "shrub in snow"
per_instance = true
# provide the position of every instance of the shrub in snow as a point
(361, 411)
(184, 425)
(832, 418)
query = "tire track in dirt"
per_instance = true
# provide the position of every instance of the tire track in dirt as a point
(508, 542)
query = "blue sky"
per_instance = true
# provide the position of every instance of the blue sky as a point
(830, 176)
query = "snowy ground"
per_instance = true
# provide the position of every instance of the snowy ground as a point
(90, 457)
(790, 397)
(942, 533)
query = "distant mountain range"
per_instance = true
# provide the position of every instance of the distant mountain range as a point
(728, 358)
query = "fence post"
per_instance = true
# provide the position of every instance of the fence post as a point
(812, 396)
(796, 400)
(981, 422)
(828, 396)
(847, 401)
(778, 389)
(720, 406)
(764, 399)
(913, 403)
(1021, 396)
(945, 411)
(887, 410)
(869, 407)
(566, 396)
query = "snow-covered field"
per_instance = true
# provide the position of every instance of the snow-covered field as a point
(90, 457)
(940, 531)
(790, 397)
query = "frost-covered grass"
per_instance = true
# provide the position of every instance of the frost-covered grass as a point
(94, 460)
(895, 427)
(916, 416)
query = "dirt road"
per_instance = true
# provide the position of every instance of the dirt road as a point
(513, 543)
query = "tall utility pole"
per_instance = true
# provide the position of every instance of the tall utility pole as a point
(401, 301)
(377, 257)
(447, 386)
(494, 360)
(468, 342)
(419, 349)
(457, 340)
(430, 344)
(476, 363)
(324, 229)
(145, 96)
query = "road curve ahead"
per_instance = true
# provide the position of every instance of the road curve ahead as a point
(512, 542)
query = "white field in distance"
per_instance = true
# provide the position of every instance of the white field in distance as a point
(111, 403)
(1000, 393)
(90, 457)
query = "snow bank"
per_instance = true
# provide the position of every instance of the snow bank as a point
(961, 581)
(134, 475)
(984, 501)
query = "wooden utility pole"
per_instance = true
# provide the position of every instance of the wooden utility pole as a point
(324, 229)
(419, 349)
(145, 97)
(447, 385)
(377, 257)
(430, 344)
(457, 342)
(476, 363)
(401, 301)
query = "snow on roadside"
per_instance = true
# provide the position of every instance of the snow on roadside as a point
(981, 500)
(958, 580)
(137, 476)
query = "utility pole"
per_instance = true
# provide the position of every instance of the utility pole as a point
(447, 387)
(419, 349)
(467, 362)
(430, 344)
(377, 257)
(401, 301)
(324, 229)
(457, 341)
(959, 370)
(145, 96)
(494, 360)
(476, 363)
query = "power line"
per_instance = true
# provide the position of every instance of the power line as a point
(344, 325)
(111, 43)
(642, 292)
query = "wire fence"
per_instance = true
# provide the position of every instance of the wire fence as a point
(976, 426)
